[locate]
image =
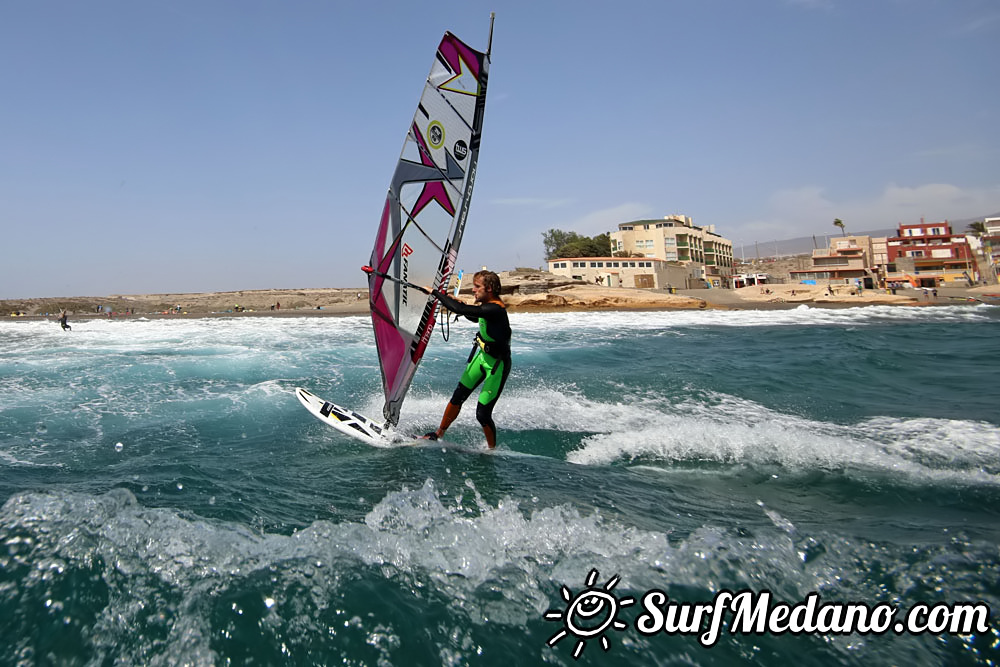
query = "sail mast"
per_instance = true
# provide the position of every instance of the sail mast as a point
(489, 41)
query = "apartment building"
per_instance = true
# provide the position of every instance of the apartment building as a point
(676, 238)
(849, 259)
(930, 255)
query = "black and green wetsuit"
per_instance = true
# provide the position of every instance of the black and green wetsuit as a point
(489, 361)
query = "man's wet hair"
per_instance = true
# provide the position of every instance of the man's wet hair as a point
(490, 280)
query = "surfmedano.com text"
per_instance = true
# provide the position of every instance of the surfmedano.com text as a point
(754, 613)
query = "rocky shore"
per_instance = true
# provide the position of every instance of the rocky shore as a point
(523, 291)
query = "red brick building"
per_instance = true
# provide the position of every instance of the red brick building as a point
(929, 254)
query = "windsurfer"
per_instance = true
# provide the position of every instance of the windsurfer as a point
(62, 321)
(489, 362)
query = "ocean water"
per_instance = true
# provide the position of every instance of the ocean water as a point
(166, 500)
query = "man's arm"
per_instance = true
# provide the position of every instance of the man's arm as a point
(470, 311)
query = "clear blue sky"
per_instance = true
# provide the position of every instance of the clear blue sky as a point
(186, 145)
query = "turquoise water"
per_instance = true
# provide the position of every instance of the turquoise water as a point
(168, 501)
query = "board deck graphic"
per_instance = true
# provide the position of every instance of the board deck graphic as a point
(345, 420)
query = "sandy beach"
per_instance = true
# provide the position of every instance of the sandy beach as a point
(524, 291)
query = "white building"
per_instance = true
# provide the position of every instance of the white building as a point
(647, 273)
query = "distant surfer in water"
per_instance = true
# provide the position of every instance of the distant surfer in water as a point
(489, 362)
(63, 322)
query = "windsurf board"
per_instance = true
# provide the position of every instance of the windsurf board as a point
(345, 420)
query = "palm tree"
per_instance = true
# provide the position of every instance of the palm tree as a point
(977, 228)
(837, 222)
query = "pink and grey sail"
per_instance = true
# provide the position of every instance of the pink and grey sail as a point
(425, 213)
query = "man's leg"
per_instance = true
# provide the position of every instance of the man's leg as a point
(484, 415)
(450, 414)
(492, 388)
(452, 409)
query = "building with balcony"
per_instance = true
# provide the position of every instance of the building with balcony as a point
(929, 255)
(675, 238)
(990, 242)
(849, 259)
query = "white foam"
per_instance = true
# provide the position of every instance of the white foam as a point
(228, 334)
(583, 323)
(638, 429)
(734, 431)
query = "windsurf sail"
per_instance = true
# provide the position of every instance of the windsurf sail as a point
(425, 212)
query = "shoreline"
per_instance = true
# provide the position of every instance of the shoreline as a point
(523, 292)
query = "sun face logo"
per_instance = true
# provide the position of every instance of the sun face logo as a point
(589, 613)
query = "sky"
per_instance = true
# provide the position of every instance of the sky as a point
(188, 146)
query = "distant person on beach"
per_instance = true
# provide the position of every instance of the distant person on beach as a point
(63, 322)
(489, 362)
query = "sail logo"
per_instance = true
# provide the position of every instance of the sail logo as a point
(461, 150)
(464, 212)
(435, 134)
(405, 253)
